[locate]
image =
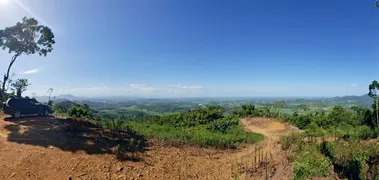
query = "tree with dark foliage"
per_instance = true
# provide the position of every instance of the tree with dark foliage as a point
(373, 92)
(25, 38)
(19, 86)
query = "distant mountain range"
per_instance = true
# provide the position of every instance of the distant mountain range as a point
(365, 97)
(364, 100)
(62, 96)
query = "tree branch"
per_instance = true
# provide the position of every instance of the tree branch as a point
(6, 76)
(13, 60)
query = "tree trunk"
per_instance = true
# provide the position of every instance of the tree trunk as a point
(377, 111)
(19, 93)
(6, 76)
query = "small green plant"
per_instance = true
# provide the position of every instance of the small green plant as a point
(235, 176)
(310, 164)
(117, 150)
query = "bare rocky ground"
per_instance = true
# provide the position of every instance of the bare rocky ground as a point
(57, 148)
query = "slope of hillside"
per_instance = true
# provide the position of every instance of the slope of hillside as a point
(364, 100)
(57, 148)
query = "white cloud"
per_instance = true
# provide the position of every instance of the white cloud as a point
(185, 87)
(353, 85)
(137, 85)
(175, 86)
(142, 87)
(138, 90)
(149, 89)
(33, 71)
(94, 91)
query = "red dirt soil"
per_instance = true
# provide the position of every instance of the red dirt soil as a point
(276, 165)
(51, 148)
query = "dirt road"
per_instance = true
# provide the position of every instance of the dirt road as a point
(57, 148)
(272, 130)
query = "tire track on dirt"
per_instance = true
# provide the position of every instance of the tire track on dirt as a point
(272, 130)
(23, 154)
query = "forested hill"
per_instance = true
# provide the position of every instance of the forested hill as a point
(133, 107)
(364, 100)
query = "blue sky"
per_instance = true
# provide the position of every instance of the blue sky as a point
(171, 48)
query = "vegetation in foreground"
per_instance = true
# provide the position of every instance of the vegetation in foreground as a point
(227, 135)
(342, 143)
(203, 127)
(350, 158)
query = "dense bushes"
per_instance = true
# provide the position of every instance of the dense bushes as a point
(78, 111)
(194, 117)
(339, 122)
(204, 127)
(307, 157)
(196, 135)
(248, 110)
(310, 164)
(349, 159)
(222, 125)
(354, 160)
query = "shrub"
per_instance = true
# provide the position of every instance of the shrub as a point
(78, 111)
(310, 164)
(301, 121)
(365, 132)
(197, 135)
(351, 159)
(313, 130)
(376, 132)
(288, 141)
(222, 125)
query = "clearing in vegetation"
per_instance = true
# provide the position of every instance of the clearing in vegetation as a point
(171, 153)
(204, 127)
(79, 150)
(274, 164)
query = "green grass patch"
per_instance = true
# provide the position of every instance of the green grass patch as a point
(308, 161)
(196, 135)
(287, 111)
(310, 164)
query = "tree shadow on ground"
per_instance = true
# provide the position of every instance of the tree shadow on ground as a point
(73, 135)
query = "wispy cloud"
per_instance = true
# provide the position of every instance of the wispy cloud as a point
(143, 90)
(142, 87)
(32, 71)
(93, 91)
(185, 87)
(354, 85)
(137, 85)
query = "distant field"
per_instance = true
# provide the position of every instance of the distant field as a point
(109, 109)
(287, 111)
(134, 108)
